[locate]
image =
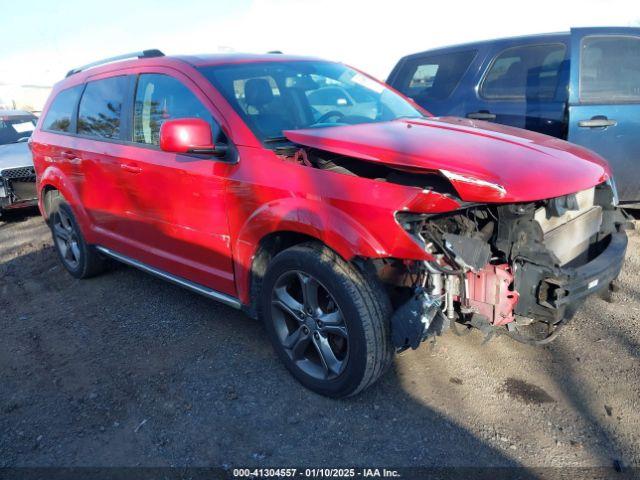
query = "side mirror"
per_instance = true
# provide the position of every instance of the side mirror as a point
(189, 135)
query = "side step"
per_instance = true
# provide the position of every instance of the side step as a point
(195, 287)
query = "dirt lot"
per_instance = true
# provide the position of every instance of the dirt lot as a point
(128, 370)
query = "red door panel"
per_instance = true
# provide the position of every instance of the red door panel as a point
(177, 216)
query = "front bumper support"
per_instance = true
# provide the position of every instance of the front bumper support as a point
(595, 275)
(556, 294)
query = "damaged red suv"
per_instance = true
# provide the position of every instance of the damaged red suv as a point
(313, 197)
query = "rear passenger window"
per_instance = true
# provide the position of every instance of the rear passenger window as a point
(60, 113)
(610, 69)
(101, 107)
(524, 72)
(435, 77)
(159, 98)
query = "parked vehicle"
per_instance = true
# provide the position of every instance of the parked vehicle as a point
(17, 175)
(352, 232)
(582, 86)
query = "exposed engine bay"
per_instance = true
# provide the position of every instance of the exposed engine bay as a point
(521, 269)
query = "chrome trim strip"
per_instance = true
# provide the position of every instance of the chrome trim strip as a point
(202, 290)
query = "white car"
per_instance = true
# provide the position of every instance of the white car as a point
(17, 175)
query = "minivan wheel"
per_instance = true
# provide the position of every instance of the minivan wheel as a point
(78, 258)
(327, 321)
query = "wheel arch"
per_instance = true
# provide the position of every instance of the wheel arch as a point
(54, 180)
(267, 233)
(268, 247)
(46, 195)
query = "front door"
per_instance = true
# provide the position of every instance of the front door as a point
(604, 103)
(178, 222)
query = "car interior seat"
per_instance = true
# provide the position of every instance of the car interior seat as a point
(259, 97)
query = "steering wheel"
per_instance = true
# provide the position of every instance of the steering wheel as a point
(22, 140)
(332, 113)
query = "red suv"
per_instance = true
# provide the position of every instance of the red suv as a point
(323, 202)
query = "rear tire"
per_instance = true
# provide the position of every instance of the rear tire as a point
(78, 258)
(338, 343)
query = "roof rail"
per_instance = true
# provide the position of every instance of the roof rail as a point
(142, 54)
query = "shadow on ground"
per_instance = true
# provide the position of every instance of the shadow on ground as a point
(127, 370)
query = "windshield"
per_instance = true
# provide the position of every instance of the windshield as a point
(276, 96)
(16, 129)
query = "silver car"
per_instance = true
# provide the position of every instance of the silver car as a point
(17, 176)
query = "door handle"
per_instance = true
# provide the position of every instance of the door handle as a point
(599, 121)
(130, 168)
(69, 155)
(482, 115)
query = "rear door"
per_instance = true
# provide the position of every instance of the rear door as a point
(94, 164)
(524, 86)
(604, 103)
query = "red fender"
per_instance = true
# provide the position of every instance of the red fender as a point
(319, 220)
(54, 177)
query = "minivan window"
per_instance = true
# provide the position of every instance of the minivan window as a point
(436, 76)
(101, 107)
(524, 72)
(161, 97)
(610, 69)
(60, 113)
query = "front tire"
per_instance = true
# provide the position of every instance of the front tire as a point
(78, 258)
(327, 321)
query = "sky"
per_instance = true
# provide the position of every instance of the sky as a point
(43, 39)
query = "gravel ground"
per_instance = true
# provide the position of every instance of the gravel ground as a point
(127, 370)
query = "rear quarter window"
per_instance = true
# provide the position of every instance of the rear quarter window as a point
(610, 69)
(60, 114)
(434, 77)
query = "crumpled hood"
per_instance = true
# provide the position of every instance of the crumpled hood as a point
(14, 155)
(485, 162)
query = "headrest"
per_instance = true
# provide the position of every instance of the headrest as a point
(257, 92)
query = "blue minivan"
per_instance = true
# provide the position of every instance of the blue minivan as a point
(582, 86)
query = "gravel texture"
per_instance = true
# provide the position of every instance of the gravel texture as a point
(127, 370)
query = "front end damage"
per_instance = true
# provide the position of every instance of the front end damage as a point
(520, 248)
(522, 269)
